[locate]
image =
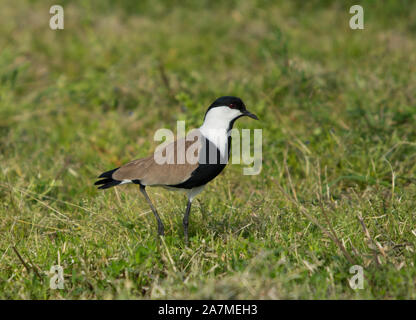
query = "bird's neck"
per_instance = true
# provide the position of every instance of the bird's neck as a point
(217, 131)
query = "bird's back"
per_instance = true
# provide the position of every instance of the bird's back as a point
(185, 163)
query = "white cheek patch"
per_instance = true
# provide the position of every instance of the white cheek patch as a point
(221, 116)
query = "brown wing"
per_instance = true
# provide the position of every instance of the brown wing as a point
(170, 165)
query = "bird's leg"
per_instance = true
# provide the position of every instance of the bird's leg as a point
(186, 221)
(160, 227)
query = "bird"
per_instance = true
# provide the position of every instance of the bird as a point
(206, 150)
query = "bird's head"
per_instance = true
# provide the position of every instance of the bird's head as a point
(225, 110)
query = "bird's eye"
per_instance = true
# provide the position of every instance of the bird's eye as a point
(232, 106)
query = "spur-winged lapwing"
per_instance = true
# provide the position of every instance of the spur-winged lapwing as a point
(204, 155)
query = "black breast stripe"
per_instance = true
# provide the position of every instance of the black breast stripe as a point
(206, 171)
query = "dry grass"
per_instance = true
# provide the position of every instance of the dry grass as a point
(337, 188)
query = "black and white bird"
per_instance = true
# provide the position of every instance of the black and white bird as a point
(208, 147)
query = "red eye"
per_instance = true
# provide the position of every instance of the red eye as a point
(232, 106)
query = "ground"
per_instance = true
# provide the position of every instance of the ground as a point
(337, 186)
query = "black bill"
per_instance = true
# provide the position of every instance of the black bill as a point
(251, 115)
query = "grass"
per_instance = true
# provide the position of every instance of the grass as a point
(337, 188)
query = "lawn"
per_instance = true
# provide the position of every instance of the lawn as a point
(337, 188)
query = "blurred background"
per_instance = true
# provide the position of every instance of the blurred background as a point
(337, 109)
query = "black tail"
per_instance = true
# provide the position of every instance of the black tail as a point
(106, 180)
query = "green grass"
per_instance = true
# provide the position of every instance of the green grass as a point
(337, 109)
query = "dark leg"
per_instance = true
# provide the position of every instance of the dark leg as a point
(186, 221)
(160, 227)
